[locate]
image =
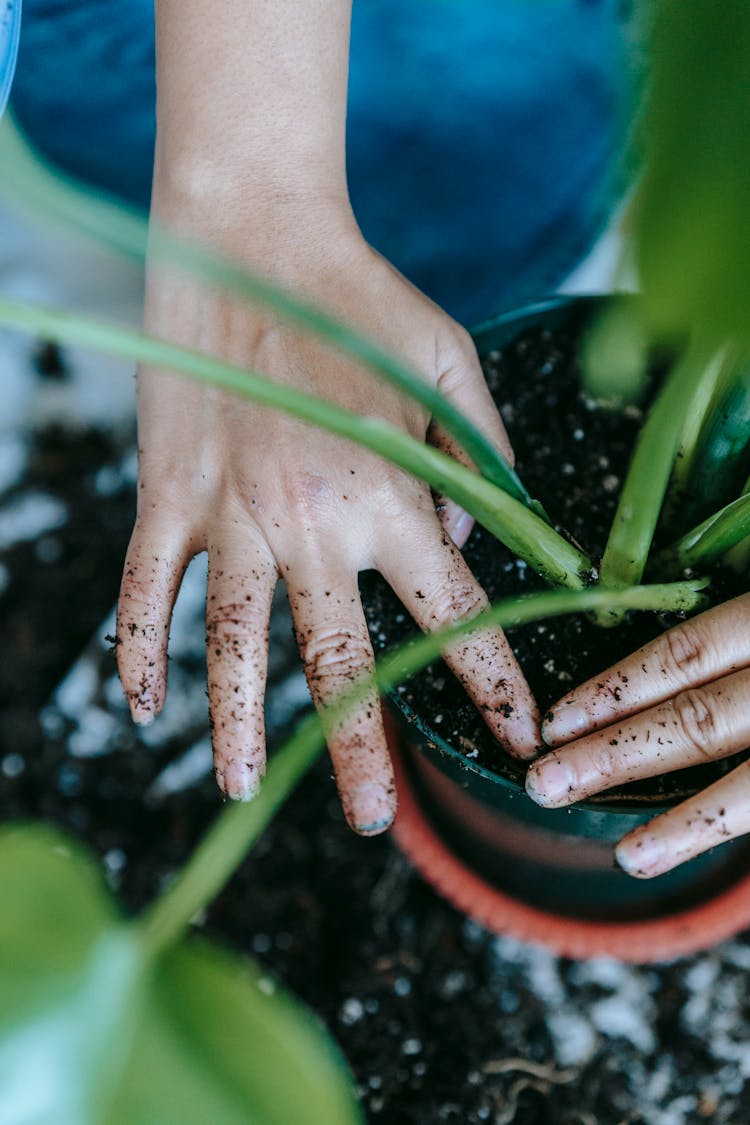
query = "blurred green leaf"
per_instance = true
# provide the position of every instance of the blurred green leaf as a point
(93, 1030)
(70, 982)
(221, 1043)
(614, 356)
(692, 210)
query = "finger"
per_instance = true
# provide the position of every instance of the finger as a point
(337, 654)
(441, 591)
(698, 725)
(241, 580)
(462, 382)
(691, 654)
(154, 565)
(720, 813)
(454, 521)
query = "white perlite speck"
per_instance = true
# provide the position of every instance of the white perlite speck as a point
(29, 517)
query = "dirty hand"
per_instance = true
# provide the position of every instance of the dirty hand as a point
(680, 701)
(268, 496)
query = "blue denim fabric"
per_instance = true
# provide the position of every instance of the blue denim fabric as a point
(481, 133)
(10, 26)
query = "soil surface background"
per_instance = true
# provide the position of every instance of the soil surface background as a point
(440, 1021)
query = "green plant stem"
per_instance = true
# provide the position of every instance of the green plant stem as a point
(127, 233)
(510, 521)
(718, 370)
(193, 259)
(227, 841)
(642, 495)
(739, 557)
(708, 541)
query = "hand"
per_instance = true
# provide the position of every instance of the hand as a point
(680, 701)
(267, 496)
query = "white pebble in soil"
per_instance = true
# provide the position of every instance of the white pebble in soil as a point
(29, 516)
(351, 1011)
(12, 766)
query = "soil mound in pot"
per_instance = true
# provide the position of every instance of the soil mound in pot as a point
(572, 454)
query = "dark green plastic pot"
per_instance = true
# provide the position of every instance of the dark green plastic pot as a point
(557, 861)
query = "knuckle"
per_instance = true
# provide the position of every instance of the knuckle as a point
(684, 653)
(454, 601)
(696, 722)
(605, 766)
(230, 621)
(464, 347)
(336, 653)
(306, 493)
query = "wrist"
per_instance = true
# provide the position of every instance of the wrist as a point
(273, 228)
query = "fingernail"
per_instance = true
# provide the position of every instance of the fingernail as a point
(239, 780)
(567, 721)
(550, 783)
(143, 709)
(462, 529)
(142, 718)
(372, 808)
(639, 855)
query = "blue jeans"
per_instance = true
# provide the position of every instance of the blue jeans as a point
(482, 134)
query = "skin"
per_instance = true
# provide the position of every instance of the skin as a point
(677, 702)
(250, 160)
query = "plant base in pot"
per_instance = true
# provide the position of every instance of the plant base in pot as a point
(541, 874)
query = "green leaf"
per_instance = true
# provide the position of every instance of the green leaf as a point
(70, 976)
(221, 1043)
(516, 525)
(93, 1030)
(650, 468)
(32, 183)
(714, 537)
(693, 203)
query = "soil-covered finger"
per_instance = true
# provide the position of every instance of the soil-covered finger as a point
(689, 655)
(338, 658)
(718, 814)
(696, 726)
(241, 582)
(151, 579)
(431, 578)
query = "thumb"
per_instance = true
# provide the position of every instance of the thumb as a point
(462, 381)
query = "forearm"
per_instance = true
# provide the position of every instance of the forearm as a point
(251, 100)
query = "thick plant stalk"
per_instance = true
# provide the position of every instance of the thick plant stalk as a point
(646, 482)
(227, 841)
(739, 557)
(717, 374)
(708, 541)
(511, 522)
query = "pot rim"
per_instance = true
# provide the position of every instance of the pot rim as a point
(642, 941)
(491, 334)
(428, 734)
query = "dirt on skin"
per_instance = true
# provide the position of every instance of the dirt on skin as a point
(572, 455)
(440, 1021)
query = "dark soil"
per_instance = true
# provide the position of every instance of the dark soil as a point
(440, 1022)
(572, 454)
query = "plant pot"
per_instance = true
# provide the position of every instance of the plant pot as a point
(548, 875)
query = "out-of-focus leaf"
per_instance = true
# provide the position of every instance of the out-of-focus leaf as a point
(615, 355)
(95, 1031)
(692, 211)
(221, 1043)
(722, 457)
(69, 983)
